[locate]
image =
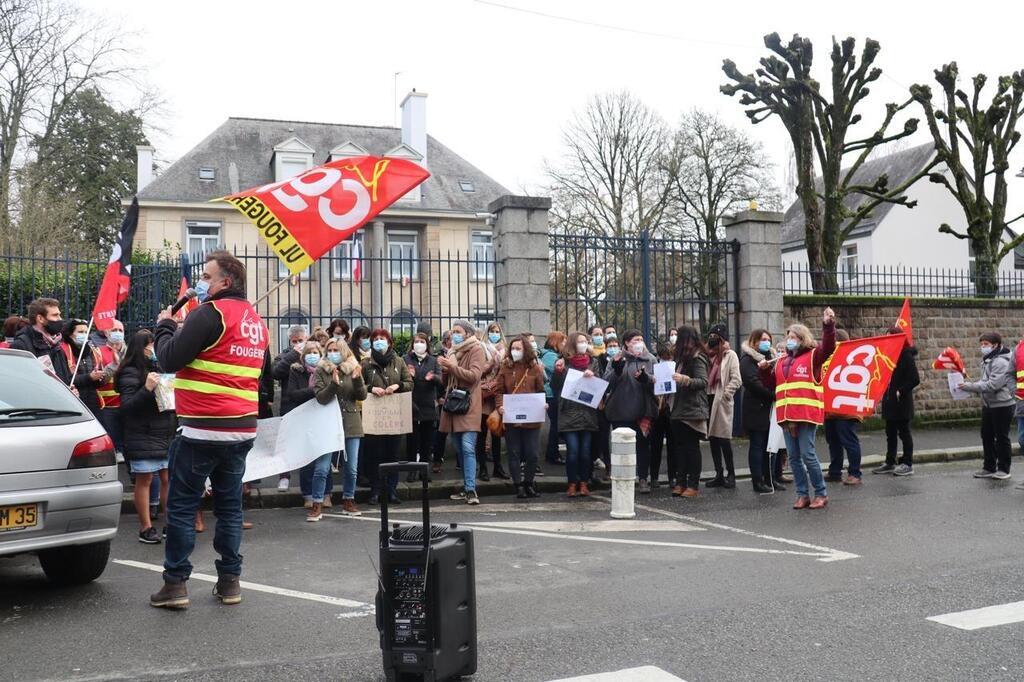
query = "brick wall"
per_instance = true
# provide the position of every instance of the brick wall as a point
(937, 323)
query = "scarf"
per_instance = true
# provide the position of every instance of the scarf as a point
(51, 341)
(715, 374)
(383, 359)
(467, 343)
(580, 361)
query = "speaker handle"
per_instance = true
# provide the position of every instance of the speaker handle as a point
(397, 467)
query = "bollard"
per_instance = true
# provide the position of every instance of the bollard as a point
(623, 474)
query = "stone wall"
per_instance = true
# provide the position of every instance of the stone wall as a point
(937, 323)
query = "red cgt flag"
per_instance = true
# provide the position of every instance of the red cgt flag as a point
(857, 374)
(118, 276)
(950, 359)
(904, 323)
(304, 217)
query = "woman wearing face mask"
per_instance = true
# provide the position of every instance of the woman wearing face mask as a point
(757, 410)
(339, 377)
(298, 389)
(673, 336)
(576, 423)
(360, 343)
(90, 374)
(800, 404)
(631, 403)
(662, 439)
(996, 388)
(463, 366)
(521, 373)
(689, 412)
(338, 330)
(440, 437)
(384, 373)
(426, 388)
(487, 446)
(147, 431)
(548, 356)
(723, 381)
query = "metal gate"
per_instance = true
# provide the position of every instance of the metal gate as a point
(643, 282)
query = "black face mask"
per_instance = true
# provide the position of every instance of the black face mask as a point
(714, 341)
(53, 327)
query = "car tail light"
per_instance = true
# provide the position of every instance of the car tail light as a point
(95, 452)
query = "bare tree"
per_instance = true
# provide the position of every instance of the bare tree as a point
(819, 125)
(974, 142)
(49, 51)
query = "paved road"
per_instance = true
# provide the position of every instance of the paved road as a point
(731, 586)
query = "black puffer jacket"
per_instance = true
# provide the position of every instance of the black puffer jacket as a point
(425, 393)
(757, 398)
(30, 340)
(905, 378)
(297, 389)
(147, 431)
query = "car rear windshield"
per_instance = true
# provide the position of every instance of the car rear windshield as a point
(24, 385)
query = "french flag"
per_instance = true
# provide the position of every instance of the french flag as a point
(356, 254)
(118, 277)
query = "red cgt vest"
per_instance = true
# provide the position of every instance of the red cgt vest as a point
(223, 380)
(1019, 357)
(109, 396)
(798, 397)
(72, 359)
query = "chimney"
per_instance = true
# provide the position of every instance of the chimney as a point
(144, 171)
(414, 122)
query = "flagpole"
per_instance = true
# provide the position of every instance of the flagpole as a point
(81, 352)
(273, 289)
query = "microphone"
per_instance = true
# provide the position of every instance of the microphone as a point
(188, 296)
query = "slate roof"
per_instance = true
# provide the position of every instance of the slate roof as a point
(900, 166)
(248, 144)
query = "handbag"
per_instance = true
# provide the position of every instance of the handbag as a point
(456, 400)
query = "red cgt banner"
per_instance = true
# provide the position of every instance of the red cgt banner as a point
(857, 374)
(304, 217)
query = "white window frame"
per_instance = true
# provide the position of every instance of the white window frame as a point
(400, 263)
(208, 242)
(341, 257)
(409, 329)
(355, 317)
(847, 255)
(481, 272)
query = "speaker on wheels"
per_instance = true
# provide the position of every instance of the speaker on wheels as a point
(426, 596)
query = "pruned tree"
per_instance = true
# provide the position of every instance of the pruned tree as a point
(819, 122)
(973, 140)
(49, 51)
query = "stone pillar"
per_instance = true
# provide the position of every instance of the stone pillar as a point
(759, 234)
(522, 288)
(378, 253)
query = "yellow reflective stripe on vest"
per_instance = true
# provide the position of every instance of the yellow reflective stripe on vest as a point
(809, 402)
(206, 387)
(1020, 373)
(224, 368)
(801, 385)
(107, 394)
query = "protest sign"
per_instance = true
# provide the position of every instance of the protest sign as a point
(664, 384)
(524, 408)
(293, 441)
(387, 415)
(583, 390)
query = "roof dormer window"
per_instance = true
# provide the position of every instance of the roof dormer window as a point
(467, 186)
(207, 173)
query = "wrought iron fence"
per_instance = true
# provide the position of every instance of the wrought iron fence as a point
(376, 290)
(899, 281)
(648, 283)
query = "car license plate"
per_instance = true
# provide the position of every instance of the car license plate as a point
(18, 516)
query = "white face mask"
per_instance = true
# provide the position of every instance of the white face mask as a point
(672, 339)
(582, 347)
(637, 347)
(419, 347)
(298, 346)
(517, 355)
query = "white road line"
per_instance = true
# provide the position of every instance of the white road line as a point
(495, 508)
(827, 553)
(987, 617)
(602, 526)
(367, 609)
(613, 541)
(647, 673)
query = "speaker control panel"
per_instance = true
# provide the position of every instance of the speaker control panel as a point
(409, 598)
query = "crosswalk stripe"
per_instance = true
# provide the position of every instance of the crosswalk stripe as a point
(647, 673)
(987, 617)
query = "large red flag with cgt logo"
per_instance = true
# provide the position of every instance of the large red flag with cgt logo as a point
(118, 276)
(857, 374)
(304, 217)
(904, 323)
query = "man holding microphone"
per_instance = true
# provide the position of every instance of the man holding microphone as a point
(218, 357)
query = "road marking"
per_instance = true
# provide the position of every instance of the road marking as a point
(826, 554)
(366, 609)
(614, 541)
(987, 617)
(647, 673)
(502, 507)
(602, 526)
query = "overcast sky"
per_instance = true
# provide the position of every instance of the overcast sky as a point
(502, 83)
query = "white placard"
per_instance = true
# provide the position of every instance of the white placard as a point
(524, 408)
(293, 441)
(955, 379)
(583, 390)
(664, 384)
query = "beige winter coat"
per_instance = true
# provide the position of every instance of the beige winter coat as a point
(720, 423)
(470, 356)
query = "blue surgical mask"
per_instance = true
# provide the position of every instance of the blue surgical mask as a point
(334, 357)
(612, 351)
(202, 288)
(457, 339)
(116, 337)
(598, 340)
(494, 337)
(791, 344)
(985, 350)
(365, 344)
(312, 359)
(80, 339)
(764, 346)
(152, 356)
(380, 345)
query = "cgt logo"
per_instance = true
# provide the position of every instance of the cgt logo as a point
(850, 380)
(252, 330)
(318, 182)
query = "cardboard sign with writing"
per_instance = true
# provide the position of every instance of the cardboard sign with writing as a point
(389, 415)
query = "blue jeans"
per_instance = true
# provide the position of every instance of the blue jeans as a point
(348, 490)
(465, 449)
(192, 462)
(803, 460)
(321, 475)
(841, 434)
(306, 479)
(1020, 433)
(577, 455)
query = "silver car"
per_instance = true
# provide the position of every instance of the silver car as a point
(59, 493)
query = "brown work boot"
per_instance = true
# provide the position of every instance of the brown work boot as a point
(690, 492)
(315, 513)
(170, 596)
(348, 508)
(228, 590)
(571, 492)
(584, 490)
(802, 502)
(678, 491)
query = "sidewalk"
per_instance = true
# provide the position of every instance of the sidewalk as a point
(930, 445)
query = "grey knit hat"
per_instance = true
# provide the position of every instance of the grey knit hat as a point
(467, 325)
